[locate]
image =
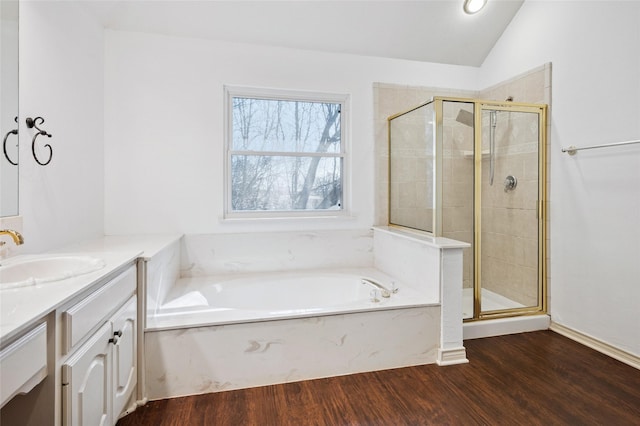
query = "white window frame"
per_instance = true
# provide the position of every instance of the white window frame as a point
(288, 95)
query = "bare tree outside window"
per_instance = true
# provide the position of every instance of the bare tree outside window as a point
(285, 155)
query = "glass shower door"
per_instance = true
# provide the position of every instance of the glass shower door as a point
(510, 228)
(474, 171)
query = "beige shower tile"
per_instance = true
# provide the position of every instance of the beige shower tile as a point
(530, 252)
(447, 220)
(515, 89)
(494, 220)
(407, 196)
(452, 197)
(424, 220)
(447, 169)
(529, 279)
(462, 171)
(534, 86)
(394, 194)
(530, 166)
(382, 169)
(424, 199)
(489, 244)
(530, 226)
(381, 211)
(513, 250)
(403, 169)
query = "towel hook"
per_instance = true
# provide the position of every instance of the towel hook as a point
(4, 143)
(34, 122)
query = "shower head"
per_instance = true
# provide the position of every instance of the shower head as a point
(465, 117)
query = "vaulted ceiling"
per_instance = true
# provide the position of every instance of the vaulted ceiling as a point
(426, 30)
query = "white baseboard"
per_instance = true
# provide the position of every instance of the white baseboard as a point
(598, 345)
(452, 356)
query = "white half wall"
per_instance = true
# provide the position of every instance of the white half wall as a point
(164, 149)
(61, 79)
(595, 195)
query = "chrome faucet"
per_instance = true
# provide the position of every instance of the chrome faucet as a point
(384, 292)
(15, 235)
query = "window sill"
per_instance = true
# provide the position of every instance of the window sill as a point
(288, 219)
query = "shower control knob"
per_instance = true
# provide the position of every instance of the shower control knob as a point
(510, 183)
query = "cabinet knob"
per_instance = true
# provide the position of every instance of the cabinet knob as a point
(116, 334)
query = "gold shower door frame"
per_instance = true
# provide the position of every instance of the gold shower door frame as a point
(541, 203)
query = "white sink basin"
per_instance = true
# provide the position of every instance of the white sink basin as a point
(38, 270)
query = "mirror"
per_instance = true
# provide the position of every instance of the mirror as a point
(9, 108)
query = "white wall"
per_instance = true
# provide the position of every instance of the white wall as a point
(164, 148)
(61, 79)
(594, 196)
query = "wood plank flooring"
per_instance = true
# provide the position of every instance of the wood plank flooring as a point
(538, 378)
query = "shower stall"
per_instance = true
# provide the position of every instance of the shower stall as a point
(475, 171)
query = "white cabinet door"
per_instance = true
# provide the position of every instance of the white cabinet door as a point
(124, 356)
(86, 380)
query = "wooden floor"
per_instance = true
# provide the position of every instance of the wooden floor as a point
(538, 378)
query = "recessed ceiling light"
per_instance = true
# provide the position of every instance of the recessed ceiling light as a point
(473, 6)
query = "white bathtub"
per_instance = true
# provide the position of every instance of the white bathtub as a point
(229, 299)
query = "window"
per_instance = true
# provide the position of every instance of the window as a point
(286, 153)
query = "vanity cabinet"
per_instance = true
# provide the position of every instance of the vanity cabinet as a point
(100, 373)
(23, 364)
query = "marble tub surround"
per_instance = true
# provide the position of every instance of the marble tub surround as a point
(225, 357)
(411, 256)
(162, 271)
(213, 254)
(187, 354)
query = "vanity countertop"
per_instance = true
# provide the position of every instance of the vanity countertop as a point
(21, 307)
